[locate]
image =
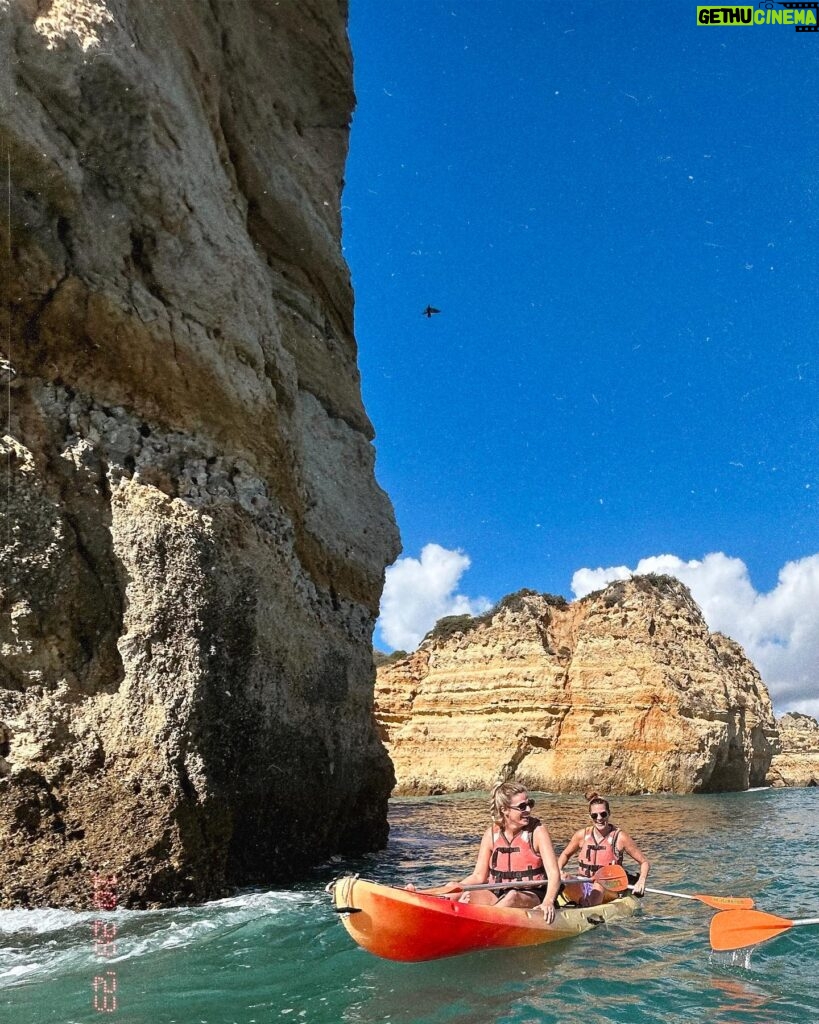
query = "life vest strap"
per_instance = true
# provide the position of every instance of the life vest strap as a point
(529, 873)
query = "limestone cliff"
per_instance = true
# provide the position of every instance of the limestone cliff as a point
(193, 542)
(626, 690)
(797, 763)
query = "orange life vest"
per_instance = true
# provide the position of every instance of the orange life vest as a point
(515, 859)
(594, 854)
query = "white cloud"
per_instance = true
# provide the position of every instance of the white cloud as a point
(418, 592)
(779, 629)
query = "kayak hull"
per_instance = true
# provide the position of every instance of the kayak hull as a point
(410, 926)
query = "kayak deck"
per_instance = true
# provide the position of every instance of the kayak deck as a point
(398, 924)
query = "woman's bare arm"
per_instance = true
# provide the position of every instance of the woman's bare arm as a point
(627, 845)
(544, 846)
(571, 850)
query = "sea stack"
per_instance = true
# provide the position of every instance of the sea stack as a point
(797, 763)
(193, 541)
(626, 690)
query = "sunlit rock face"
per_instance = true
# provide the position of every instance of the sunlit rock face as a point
(797, 763)
(625, 690)
(193, 542)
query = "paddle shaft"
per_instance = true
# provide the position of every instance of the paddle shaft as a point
(612, 876)
(524, 883)
(718, 902)
(665, 892)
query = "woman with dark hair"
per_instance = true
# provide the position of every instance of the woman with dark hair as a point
(601, 844)
(516, 847)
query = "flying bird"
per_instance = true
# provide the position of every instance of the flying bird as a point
(429, 311)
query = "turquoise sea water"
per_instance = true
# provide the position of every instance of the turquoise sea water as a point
(283, 956)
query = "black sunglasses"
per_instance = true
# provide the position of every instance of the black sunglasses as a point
(599, 814)
(527, 805)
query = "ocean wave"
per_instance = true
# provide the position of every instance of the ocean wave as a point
(36, 945)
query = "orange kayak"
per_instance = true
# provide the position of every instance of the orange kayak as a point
(401, 925)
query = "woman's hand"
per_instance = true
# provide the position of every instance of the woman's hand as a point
(548, 909)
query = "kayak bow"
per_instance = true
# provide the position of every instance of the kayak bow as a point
(398, 924)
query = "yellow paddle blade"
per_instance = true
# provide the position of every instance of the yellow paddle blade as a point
(611, 877)
(734, 929)
(726, 902)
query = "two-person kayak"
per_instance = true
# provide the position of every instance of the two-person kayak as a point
(400, 924)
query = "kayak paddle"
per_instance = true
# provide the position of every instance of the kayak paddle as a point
(612, 877)
(733, 929)
(611, 880)
(726, 903)
(443, 890)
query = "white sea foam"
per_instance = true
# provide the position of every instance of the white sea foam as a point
(38, 944)
(20, 970)
(41, 922)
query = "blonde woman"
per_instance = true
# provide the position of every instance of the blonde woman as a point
(516, 847)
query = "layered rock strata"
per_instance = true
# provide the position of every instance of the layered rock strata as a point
(193, 542)
(625, 690)
(797, 763)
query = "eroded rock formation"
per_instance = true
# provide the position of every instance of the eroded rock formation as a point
(193, 541)
(626, 690)
(797, 763)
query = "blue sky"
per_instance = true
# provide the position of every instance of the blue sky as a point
(616, 212)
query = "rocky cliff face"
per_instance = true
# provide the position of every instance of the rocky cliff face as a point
(625, 690)
(797, 763)
(193, 542)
